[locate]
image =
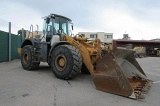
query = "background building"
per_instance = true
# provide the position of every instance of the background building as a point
(126, 36)
(104, 37)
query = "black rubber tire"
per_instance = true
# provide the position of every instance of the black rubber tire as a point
(29, 64)
(84, 69)
(73, 62)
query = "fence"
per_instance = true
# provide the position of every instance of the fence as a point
(11, 37)
(8, 45)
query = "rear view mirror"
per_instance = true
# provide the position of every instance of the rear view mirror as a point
(47, 20)
(72, 27)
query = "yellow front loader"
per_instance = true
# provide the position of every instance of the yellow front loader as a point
(117, 72)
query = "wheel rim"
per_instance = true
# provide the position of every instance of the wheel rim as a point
(25, 58)
(60, 62)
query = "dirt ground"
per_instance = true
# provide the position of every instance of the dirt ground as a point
(19, 87)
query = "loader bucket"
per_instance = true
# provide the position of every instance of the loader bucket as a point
(119, 73)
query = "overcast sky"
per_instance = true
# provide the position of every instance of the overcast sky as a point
(139, 18)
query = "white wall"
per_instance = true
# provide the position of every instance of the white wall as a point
(100, 35)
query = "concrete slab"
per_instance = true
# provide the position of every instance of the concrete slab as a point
(19, 87)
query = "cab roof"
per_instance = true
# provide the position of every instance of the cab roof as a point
(56, 15)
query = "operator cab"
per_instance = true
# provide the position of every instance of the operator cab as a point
(56, 25)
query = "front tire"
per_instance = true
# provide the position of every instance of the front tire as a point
(27, 58)
(66, 62)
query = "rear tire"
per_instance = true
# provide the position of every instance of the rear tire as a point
(27, 58)
(66, 62)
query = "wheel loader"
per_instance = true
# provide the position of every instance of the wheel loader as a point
(117, 72)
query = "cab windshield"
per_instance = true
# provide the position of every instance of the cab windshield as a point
(62, 25)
